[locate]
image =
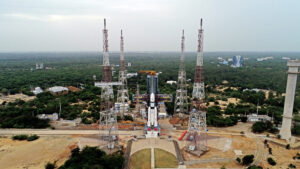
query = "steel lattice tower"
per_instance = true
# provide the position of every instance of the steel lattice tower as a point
(198, 88)
(108, 117)
(181, 102)
(197, 131)
(137, 101)
(122, 96)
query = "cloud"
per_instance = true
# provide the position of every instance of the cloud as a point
(52, 17)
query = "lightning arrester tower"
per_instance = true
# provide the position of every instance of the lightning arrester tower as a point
(181, 102)
(122, 97)
(197, 129)
(198, 88)
(108, 117)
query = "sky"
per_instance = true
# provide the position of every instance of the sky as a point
(149, 25)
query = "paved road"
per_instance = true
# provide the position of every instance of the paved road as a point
(216, 160)
(9, 132)
(260, 152)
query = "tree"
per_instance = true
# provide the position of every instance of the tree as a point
(248, 159)
(260, 126)
(271, 161)
(92, 157)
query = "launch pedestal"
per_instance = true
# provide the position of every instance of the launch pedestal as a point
(152, 134)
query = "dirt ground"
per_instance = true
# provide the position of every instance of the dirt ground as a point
(282, 156)
(35, 154)
(223, 147)
(12, 98)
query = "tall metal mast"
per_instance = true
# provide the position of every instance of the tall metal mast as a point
(106, 76)
(108, 118)
(198, 88)
(197, 131)
(122, 97)
(181, 102)
(137, 101)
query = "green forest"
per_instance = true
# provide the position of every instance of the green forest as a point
(18, 74)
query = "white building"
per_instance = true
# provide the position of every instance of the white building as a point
(37, 90)
(129, 75)
(265, 58)
(256, 118)
(171, 82)
(285, 58)
(58, 90)
(52, 117)
(39, 66)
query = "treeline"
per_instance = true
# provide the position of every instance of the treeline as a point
(75, 68)
(91, 157)
(22, 114)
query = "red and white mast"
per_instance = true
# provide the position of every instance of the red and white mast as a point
(198, 88)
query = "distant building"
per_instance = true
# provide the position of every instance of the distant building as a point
(256, 118)
(229, 59)
(49, 68)
(171, 82)
(58, 90)
(129, 64)
(37, 90)
(130, 75)
(285, 58)
(224, 62)
(220, 58)
(255, 89)
(51, 117)
(120, 107)
(39, 66)
(237, 61)
(265, 58)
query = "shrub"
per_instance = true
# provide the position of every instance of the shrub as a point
(288, 146)
(33, 137)
(20, 137)
(254, 167)
(271, 161)
(25, 137)
(118, 118)
(127, 117)
(270, 150)
(248, 159)
(50, 165)
(292, 166)
(238, 160)
(244, 119)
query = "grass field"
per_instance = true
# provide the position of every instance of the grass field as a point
(141, 159)
(164, 159)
